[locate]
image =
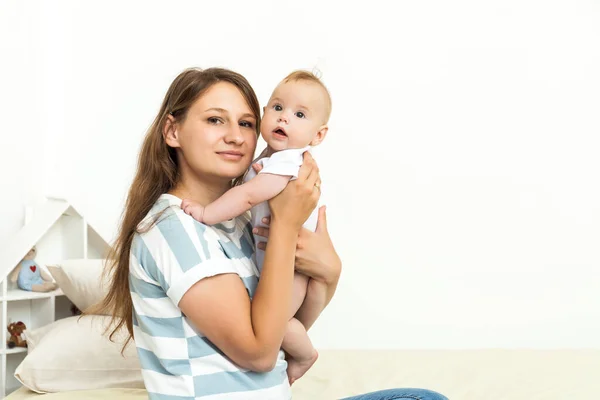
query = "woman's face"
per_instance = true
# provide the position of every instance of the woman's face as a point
(217, 139)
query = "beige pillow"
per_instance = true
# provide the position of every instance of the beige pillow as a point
(81, 281)
(74, 354)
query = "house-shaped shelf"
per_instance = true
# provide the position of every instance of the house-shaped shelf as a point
(59, 232)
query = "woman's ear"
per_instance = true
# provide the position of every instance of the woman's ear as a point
(170, 133)
(320, 135)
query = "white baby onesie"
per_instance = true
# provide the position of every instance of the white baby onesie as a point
(284, 162)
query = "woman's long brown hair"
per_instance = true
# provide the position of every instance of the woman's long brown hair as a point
(157, 173)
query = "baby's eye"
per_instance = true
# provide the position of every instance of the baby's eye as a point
(300, 114)
(277, 107)
(215, 120)
(247, 124)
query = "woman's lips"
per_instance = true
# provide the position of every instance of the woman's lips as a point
(231, 155)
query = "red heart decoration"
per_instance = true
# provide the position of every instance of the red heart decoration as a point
(32, 268)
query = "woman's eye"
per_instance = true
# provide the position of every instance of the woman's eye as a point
(215, 120)
(300, 114)
(277, 107)
(247, 124)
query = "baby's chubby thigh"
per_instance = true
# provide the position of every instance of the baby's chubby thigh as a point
(299, 288)
(298, 292)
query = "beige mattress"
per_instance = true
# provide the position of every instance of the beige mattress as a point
(116, 394)
(460, 375)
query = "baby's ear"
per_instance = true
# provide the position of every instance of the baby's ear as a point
(320, 136)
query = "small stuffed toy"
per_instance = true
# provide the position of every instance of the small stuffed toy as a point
(16, 339)
(29, 275)
(75, 310)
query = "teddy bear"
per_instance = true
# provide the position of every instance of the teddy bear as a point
(29, 275)
(16, 339)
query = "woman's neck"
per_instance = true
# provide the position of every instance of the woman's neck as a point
(202, 192)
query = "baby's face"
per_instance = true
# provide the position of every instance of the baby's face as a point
(294, 115)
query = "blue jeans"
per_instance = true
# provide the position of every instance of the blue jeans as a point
(400, 394)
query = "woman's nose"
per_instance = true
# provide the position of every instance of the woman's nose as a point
(234, 135)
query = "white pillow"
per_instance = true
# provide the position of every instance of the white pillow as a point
(81, 281)
(74, 354)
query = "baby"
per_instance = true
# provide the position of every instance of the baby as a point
(294, 120)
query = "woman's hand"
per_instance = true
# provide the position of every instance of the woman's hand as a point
(295, 203)
(315, 254)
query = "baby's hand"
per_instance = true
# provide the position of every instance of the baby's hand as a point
(193, 209)
(257, 167)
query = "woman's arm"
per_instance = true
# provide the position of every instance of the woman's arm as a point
(250, 332)
(238, 199)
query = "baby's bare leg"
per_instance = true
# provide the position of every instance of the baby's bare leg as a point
(302, 354)
(296, 342)
(314, 303)
(298, 292)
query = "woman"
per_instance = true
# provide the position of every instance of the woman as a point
(204, 326)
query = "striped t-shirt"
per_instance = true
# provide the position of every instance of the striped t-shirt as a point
(178, 362)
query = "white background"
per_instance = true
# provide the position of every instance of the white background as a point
(461, 168)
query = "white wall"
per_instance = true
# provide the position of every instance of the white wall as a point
(21, 155)
(461, 169)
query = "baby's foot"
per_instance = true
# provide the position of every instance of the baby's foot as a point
(193, 209)
(297, 368)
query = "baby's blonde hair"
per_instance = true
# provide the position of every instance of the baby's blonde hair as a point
(306, 76)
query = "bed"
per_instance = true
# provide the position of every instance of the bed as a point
(460, 375)
(72, 359)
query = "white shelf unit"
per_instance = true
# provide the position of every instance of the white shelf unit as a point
(15, 350)
(61, 236)
(18, 294)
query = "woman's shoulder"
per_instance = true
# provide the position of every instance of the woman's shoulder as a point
(170, 239)
(165, 214)
(168, 233)
(167, 221)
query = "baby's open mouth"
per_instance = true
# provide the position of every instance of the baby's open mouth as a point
(280, 131)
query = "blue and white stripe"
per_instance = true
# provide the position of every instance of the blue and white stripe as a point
(178, 362)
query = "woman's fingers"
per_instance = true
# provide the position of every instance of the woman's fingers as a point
(260, 231)
(308, 164)
(317, 184)
(313, 175)
(257, 167)
(295, 203)
(313, 179)
(313, 182)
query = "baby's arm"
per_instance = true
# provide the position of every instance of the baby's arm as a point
(238, 199)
